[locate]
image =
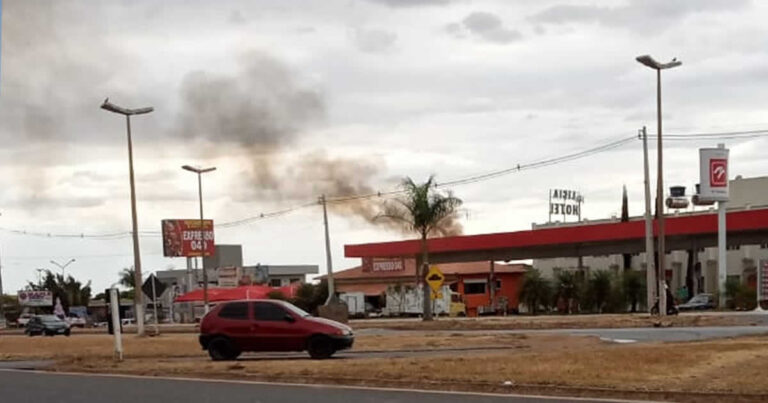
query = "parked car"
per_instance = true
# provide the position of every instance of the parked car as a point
(699, 302)
(231, 328)
(23, 319)
(75, 321)
(50, 325)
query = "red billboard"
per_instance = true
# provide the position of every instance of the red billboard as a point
(183, 238)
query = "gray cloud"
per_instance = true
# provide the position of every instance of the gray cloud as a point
(486, 26)
(373, 40)
(412, 3)
(646, 16)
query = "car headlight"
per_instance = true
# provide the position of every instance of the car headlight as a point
(346, 332)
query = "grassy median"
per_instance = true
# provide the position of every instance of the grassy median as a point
(718, 370)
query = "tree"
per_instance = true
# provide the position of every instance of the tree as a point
(310, 296)
(600, 287)
(566, 288)
(68, 290)
(634, 288)
(127, 278)
(536, 291)
(426, 211)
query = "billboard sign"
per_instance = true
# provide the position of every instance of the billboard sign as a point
(184, 238)
(235, 276)
(378, 265)
(35, 298)
(713, 168)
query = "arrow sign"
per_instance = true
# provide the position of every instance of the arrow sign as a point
(147, 286)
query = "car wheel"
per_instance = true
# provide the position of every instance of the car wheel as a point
(222, 349)
(320, 347)
(67, 332)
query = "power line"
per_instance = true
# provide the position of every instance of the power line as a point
(458, 182)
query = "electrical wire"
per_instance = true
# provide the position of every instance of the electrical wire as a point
(458, 182)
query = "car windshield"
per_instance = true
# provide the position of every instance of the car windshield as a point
(296, 310)
(699, 299)
(50, 319)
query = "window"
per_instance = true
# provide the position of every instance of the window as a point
(474, 287)
(733, 247)
(234, 310)
(275, 282)
(764, 245)
(268, 311)
(294, 280)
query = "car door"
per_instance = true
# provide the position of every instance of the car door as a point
(234, 320)
(278, 330)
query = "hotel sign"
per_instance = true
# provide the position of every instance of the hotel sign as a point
(564, 202)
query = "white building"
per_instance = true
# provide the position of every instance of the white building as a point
(742, 260)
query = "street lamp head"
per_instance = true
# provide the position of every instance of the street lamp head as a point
(649, 61)
(125, 111)
(197, 170)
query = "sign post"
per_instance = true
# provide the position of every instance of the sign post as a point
(761, 284)
(115, 309)
(713, 169)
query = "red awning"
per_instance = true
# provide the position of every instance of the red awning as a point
(216, 294)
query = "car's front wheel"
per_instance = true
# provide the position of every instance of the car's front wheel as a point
(320, 347)
(222, 349)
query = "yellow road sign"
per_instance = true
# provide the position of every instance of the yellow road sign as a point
(436, 295)
(435, 278)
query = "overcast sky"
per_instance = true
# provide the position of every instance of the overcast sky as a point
(292, 99)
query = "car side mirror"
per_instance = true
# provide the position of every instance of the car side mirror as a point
(288, 318)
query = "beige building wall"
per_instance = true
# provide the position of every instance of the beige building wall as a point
(741, 260)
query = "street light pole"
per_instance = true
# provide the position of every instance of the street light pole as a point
(138, 297)
(61, 266)
(650, 62)
(200, 172)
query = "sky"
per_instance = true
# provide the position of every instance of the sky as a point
(294, 99)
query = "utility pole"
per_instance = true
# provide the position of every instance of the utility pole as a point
(200, 172)
(649, 260)
(138, 297)
(328, 260)
(721, 249)
(648, 61)
(2, 309)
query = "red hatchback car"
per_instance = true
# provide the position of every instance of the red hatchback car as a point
(231, 328)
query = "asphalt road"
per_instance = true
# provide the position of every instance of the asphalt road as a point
(24, 386)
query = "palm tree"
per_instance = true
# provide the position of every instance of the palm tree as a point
(600, 285)
(127, 276)
(634, 288)
(567, 288)
(536, 291)
(426, 211)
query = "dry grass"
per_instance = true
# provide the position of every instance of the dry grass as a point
(721, 366)
(88, 346)
(555, 322)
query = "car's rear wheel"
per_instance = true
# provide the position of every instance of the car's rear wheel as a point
(222, 349)
(67, 332)
(320, 347)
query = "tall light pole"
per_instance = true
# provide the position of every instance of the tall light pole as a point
(200, 171)
(138, 297)
(648, 61)
(62, 266)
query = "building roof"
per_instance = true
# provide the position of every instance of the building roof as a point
(457, 269)
(682, 232)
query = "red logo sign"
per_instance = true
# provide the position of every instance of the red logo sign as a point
(718, 172)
